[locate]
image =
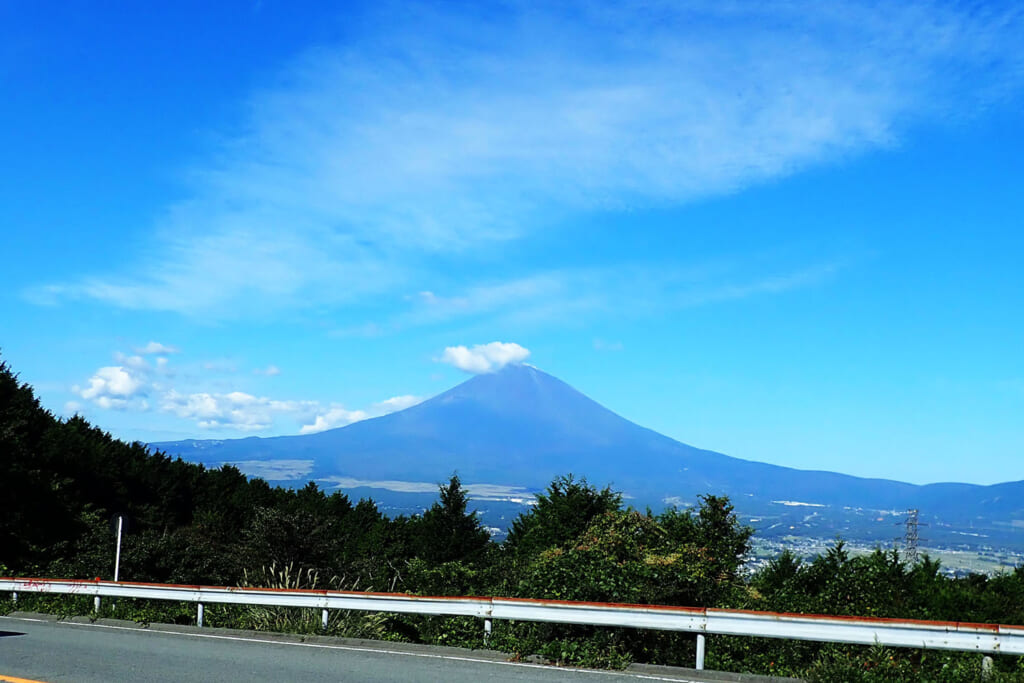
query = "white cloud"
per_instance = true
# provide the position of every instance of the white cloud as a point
(156, 348)
(335, 417)
(233, 410)
(115, 387)
(134, 362)
(484, 358)
(127, 386)
(436, 130)
(338, 416)
(269, 371)
(396, 403)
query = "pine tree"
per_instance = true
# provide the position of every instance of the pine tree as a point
(448, 532)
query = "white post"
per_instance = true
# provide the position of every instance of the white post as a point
(987, 665)
(14, 597)
(96, 604)
(117, 555)
(487, 630)
(323, 620)
(199, 615)
(700, 651)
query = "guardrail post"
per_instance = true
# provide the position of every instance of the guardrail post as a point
(700, 651)
(487, 630)
(96, 604)
(199, 614)
(323, 620)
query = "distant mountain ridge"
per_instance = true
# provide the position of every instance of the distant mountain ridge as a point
(520, 427)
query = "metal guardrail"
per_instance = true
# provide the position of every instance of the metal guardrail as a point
(962, 636)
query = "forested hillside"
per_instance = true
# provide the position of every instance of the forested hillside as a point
(63, 481)
(67, 480)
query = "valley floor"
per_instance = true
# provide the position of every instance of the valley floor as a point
(955, 561)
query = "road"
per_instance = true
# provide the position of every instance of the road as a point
(43, 649)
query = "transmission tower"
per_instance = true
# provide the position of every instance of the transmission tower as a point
(910, 541)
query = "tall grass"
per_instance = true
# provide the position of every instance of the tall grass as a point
(348, 623)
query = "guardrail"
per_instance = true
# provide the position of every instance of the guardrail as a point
(942, 635)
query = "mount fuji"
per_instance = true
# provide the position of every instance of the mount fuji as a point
(509, 433)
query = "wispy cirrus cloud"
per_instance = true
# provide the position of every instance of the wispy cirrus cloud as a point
(442, 131)
(623, 291)
(603, 345)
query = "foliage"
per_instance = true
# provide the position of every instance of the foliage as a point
(881, 664)
(447, 532)
(631, 557)
(63, 481)
(561, 514)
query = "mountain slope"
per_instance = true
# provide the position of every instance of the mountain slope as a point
(522, 427)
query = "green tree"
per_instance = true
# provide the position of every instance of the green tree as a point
(716, 529)
(561, 514)
(448, 531)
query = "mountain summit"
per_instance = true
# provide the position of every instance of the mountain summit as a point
(521, 427)
(517, 425)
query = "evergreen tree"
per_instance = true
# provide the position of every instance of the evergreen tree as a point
(448, 532)
(561, 514)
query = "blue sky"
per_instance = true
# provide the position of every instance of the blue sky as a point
(791, 233)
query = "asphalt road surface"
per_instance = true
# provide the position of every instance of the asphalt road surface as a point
(43, 649)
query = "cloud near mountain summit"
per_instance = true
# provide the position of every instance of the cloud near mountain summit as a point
(484, 358)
